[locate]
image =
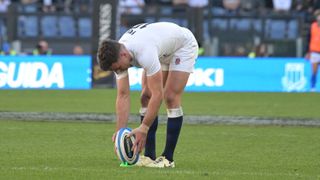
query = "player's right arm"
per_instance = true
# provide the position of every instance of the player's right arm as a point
(122, 102)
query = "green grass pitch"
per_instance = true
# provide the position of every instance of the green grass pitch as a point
(71, 150)
(291, 105)
(83, 150)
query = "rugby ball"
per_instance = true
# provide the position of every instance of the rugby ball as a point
(123, 145)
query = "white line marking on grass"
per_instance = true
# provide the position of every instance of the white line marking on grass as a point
(231, 120)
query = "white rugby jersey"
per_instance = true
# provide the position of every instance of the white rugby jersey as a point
(151, 44)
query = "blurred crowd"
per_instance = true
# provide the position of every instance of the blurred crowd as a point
(221, 7)
(303, 9)
(49, 5)
(42, 48)
(225, 7)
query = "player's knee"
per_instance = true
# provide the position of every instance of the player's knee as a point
(170, 98)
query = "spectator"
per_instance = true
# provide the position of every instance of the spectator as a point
(301, 5)
(79, 6)
(261, 50)
(240, 51)
(227, 49)
(314, 49)
(67, 6)
(180, 2)
(131, 6)
(4, 4)
(153, 6)
(29, 5)
(282, 5)
(217, 8)
(252, 6)
(198, 3)
(304, 9)
(312, 5)
(315, 4)
(7, 50)
(201, 50)
(124, 25)
(231, 5)
(42, 48)
(248, 5)
(82, 6)
(77, 50)
(48, 6)
(179, 6)
(197, 18)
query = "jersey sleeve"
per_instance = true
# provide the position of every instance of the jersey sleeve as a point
(149, 61)
(121, 74)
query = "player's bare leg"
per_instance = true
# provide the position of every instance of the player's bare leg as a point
(150, 147)
(174, 87)
(149, 153)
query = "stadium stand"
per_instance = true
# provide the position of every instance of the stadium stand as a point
(49, 26)
(70, 23)
(67, 26)
(28, 26)
(85, 27)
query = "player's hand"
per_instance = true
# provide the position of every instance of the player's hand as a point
(140, 134)
(114, 137)
(113, 140)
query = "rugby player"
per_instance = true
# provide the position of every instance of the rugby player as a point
(314, 49)
(167, 54)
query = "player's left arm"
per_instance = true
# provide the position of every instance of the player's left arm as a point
(122, 103)
(149, 60)
(155, 86)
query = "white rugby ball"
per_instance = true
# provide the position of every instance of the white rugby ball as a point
(123, 146)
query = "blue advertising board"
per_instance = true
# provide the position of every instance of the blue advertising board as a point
(244, 74)
(45, 72)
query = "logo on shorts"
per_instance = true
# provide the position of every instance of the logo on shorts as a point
(177, 62)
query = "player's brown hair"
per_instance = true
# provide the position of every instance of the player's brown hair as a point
(108, 53)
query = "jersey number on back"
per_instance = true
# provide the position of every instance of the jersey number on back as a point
(136, 27)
